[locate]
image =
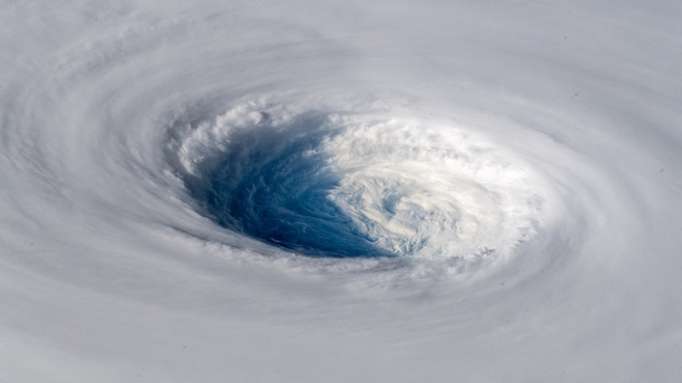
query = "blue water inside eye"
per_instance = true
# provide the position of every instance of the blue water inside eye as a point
(272, 185)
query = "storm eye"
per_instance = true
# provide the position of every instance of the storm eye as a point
(347, 185)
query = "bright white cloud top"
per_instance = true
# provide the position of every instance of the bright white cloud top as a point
(349, 191)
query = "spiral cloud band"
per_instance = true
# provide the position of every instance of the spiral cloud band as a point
(340, 191)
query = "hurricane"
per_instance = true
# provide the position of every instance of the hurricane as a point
(332, 191)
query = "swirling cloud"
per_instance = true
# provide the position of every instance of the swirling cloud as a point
(313, 191)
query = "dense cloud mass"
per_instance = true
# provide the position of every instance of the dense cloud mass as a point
(306, 191)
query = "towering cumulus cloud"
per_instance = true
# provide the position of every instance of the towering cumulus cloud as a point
(306, 191)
